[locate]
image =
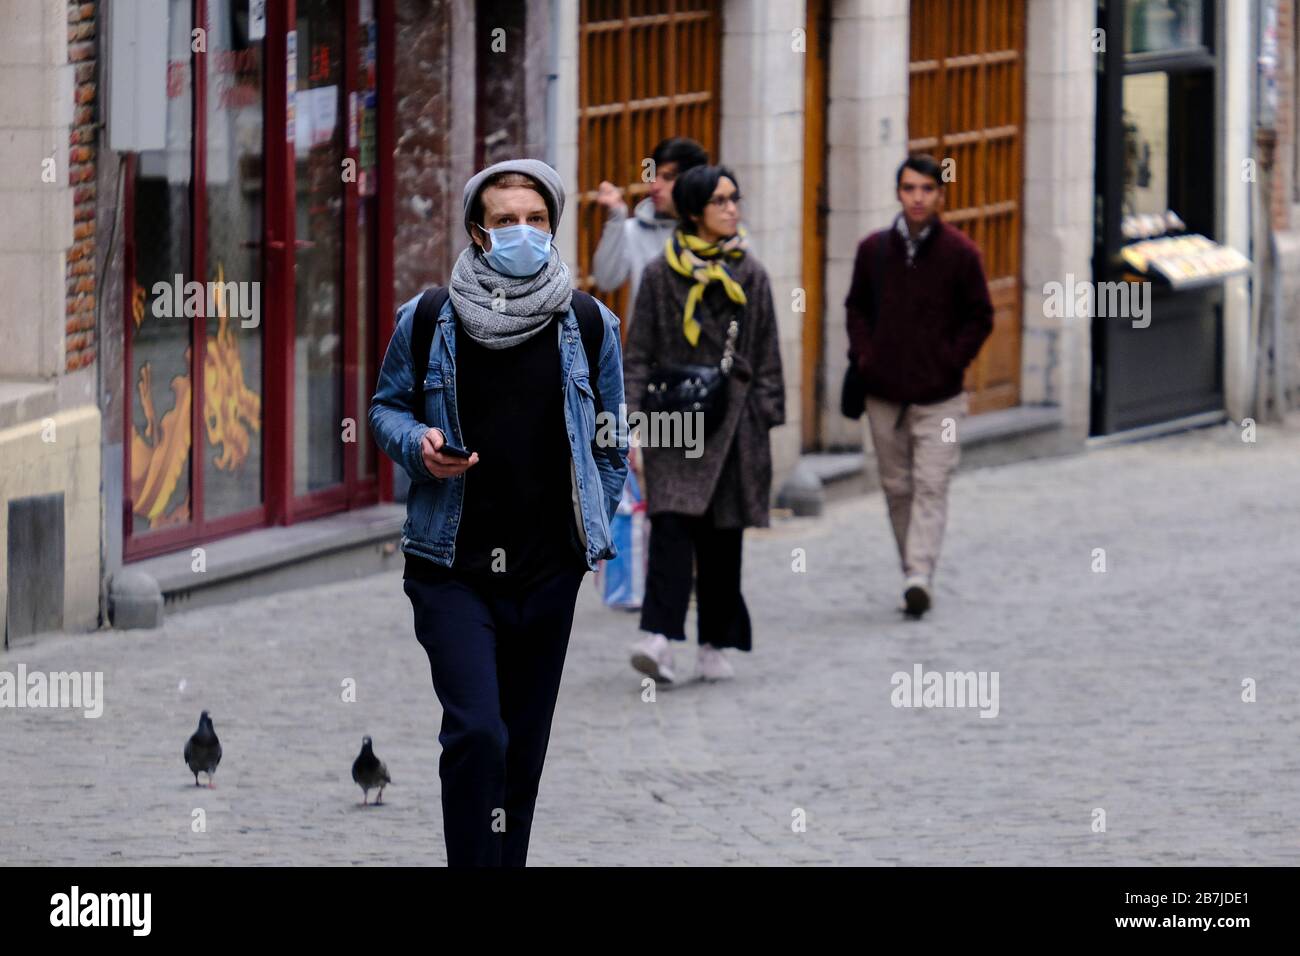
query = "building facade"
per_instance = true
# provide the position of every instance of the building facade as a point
(218, 204)
(51, 425)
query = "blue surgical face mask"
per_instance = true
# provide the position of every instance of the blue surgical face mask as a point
(519, 250)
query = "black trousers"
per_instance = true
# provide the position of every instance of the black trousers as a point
(676, 539)
(496, 661)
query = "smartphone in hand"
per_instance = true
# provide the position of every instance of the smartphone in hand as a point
(447, 448)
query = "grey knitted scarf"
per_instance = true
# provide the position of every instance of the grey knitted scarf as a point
(499, 311)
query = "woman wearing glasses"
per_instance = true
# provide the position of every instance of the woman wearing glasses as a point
(702, 360)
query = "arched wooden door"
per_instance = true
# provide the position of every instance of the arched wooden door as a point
(647, 70)
(967, 103)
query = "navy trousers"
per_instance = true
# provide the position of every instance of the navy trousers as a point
(496, 659)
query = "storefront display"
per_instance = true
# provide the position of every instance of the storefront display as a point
(1163, 25)
(1185, 261)
(235, 424)
(1158, 216)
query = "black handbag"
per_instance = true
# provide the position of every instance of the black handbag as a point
(853, 393)
(694, 388)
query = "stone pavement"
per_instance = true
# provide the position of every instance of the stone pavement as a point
(1119, 690)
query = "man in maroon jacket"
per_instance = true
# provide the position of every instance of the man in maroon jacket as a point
(918, 312)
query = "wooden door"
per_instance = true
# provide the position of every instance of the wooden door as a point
(815, 208)
(647, 70)
(967, 103)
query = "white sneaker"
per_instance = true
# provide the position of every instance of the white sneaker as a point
(653, 656)
(711, 665)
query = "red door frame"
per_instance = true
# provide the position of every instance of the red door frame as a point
(289, 508)
(279, 264)
(198, 528)
(279, 505)
(385, 206)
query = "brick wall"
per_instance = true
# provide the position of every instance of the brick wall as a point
(1284, 125)
(80, 312)
(1279, 388)
(1288, 178)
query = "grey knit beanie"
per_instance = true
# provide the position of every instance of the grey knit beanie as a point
(546, 177)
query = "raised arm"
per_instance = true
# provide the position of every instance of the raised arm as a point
(611, 265)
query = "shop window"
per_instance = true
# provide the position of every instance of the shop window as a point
(1163, 26)
(1146, 144)
(318, 342)
(232, 360)
(161, 340)
(235, 419)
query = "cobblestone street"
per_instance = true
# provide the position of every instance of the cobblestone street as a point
(1119, 690)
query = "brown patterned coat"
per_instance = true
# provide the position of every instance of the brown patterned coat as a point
(736, 464)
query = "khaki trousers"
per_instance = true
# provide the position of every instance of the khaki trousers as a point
(917, 448)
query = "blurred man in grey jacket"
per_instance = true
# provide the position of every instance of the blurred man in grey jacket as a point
(629, 244)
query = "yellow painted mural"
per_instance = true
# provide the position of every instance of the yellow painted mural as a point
(232, 417)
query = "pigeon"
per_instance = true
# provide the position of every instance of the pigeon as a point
(203, 750)
(369, 772)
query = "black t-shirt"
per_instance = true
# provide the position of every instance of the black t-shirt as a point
(517, 525)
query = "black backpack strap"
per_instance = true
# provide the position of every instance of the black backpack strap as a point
(423, 324)
(591, 325)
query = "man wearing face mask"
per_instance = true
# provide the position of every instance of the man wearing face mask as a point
(510, 498)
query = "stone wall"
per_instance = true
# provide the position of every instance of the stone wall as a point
(563, 145)
(49, 425)
(57, 455)
(762, 141)
(1057, 204)
(36, 111)
(866, 138)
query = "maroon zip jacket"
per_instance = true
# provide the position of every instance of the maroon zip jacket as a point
(934, 314)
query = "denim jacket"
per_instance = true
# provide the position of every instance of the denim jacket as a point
(433, 505)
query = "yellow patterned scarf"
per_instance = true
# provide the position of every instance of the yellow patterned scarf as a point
(691, 256)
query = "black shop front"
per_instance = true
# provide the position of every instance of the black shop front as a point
(1157, 216)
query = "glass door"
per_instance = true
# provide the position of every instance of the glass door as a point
(333, 181)
(319, 146)
(232, 239)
